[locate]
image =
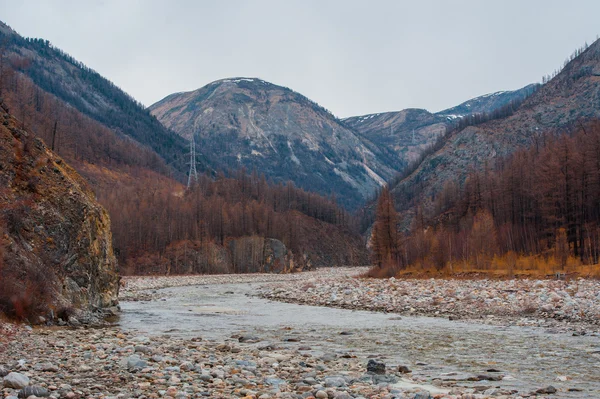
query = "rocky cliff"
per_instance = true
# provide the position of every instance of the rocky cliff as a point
(57, 257)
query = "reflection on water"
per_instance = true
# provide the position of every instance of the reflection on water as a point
(434, 348)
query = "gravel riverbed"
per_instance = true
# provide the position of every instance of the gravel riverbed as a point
(121, 363)
(571, 305)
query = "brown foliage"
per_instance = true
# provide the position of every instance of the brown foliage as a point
(537, 211)
(68, 132)
(385, 238)
(24, 292)
(152, 218)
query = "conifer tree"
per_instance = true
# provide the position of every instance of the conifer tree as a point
(386, 245)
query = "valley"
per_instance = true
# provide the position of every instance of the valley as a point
(236, 239)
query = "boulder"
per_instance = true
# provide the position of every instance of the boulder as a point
(373, 366)
(16, 380)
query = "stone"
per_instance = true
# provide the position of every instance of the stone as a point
(404, 369)
(249, 339)
(328, 357)
(171, 392)
(48, 367)
(548, 390)
(134, 362)
(33, 390)
(321, 394)
(334, 382)
(142, 349)
(16, 380)
(376, 367)
(187, 366)
(3, 371)
(422, 395)
(485, 377)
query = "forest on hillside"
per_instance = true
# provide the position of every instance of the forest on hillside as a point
(541, 204)
(156, 227)
(66, 131)
(94, 96)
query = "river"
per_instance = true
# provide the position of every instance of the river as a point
(438, 351)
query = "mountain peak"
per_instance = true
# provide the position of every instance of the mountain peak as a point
(241, 80)
(248, 122)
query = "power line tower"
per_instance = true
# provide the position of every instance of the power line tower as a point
(193, 175)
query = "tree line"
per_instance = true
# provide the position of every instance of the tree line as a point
(65, 130)
(150, 221)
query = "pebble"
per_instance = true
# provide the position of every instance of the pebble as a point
(33, 390)
(16, 380)
(376, 367)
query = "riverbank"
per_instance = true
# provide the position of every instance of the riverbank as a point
(142, 287)
(111, 363)
(564, 305)
(220, 339)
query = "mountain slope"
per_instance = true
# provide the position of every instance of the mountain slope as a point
(410, 131)
(256, 124)
(488, 102)
(566, 100)
(87, 91)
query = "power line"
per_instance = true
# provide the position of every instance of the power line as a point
(193, 175)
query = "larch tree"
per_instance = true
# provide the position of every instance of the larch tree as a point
(386, 243)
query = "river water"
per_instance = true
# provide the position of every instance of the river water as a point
(435, 349)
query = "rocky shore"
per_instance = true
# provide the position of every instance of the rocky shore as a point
(142, 287)
(109, 363)
(566, 305)
(114, 363)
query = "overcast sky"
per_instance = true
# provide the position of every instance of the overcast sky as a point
(352, 57)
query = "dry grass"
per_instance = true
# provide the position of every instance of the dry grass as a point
(500, 267)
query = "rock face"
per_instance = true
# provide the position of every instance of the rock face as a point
(252, 123)
(57, 253)
(258, 254)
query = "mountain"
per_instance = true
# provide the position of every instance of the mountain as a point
(488, 103)
(56, 254)
(567, 100)
(61, 75)
(410, 131)
(251, 123)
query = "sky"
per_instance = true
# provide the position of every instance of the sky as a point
(352, 57)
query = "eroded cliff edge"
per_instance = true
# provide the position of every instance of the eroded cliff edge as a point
(56, 251)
